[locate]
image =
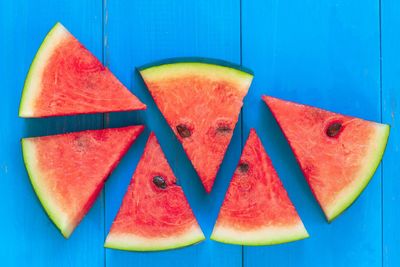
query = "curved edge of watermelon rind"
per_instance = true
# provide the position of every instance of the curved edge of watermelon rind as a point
(209, 61)
(160, 71)
(130, 242)
(241, 79)
(28, 153)
(376, 156)
(260, 237)
(28, 92)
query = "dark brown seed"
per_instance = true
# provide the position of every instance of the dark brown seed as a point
(224, 129)
(159, 182)
(243, 167)
(334, 129)
(82, 143)
(183, 131)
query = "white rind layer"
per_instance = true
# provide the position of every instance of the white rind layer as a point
(370, 163)
(268, 235)
(32, 87)
(132, 242)
(210, 71)
(59, 218)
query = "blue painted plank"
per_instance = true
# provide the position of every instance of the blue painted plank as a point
(137, 33)
(323, 53)
(390, 114)
(28, 237)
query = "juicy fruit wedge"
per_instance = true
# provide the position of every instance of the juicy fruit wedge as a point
(68, 171)
(201, 103)
(66, 79)
(338, 154)
(257, 209)
(154, 214)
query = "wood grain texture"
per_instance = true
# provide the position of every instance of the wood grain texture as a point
(325, 54)
(390, 25)
(139, 32)
(28, 237)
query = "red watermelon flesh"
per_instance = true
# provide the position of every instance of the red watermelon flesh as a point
(257, 209)
(68, 171)
(66, 79)
(338, 154)
(201, 103)
(154, 214)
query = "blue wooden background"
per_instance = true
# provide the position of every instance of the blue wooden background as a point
(342, 55)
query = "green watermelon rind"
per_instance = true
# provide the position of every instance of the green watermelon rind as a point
(55, 215)
(371, 166)
(26, 106)
(192, 237)
(208, 61)
(260, 237)
(223, 72)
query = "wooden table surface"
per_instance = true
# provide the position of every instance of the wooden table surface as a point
(340, 55)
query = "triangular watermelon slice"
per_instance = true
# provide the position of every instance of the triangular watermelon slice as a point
(68, 171)
(154, 214)
(66, 79)
(201, 103)
(257, 209)
(338, 154)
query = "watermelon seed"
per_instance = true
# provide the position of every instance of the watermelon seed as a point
(243, 167)
(224, 129)
(183, 131)
(159, 182)
(334, 129)
(82, 142)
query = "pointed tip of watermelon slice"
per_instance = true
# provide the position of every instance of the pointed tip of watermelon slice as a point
(268, 99)
(208, 186)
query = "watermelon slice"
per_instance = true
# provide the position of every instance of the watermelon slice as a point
(68, 171)
(155, 214)
(257, 209)
(66, 79)
(338, 154)
(201, 103)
